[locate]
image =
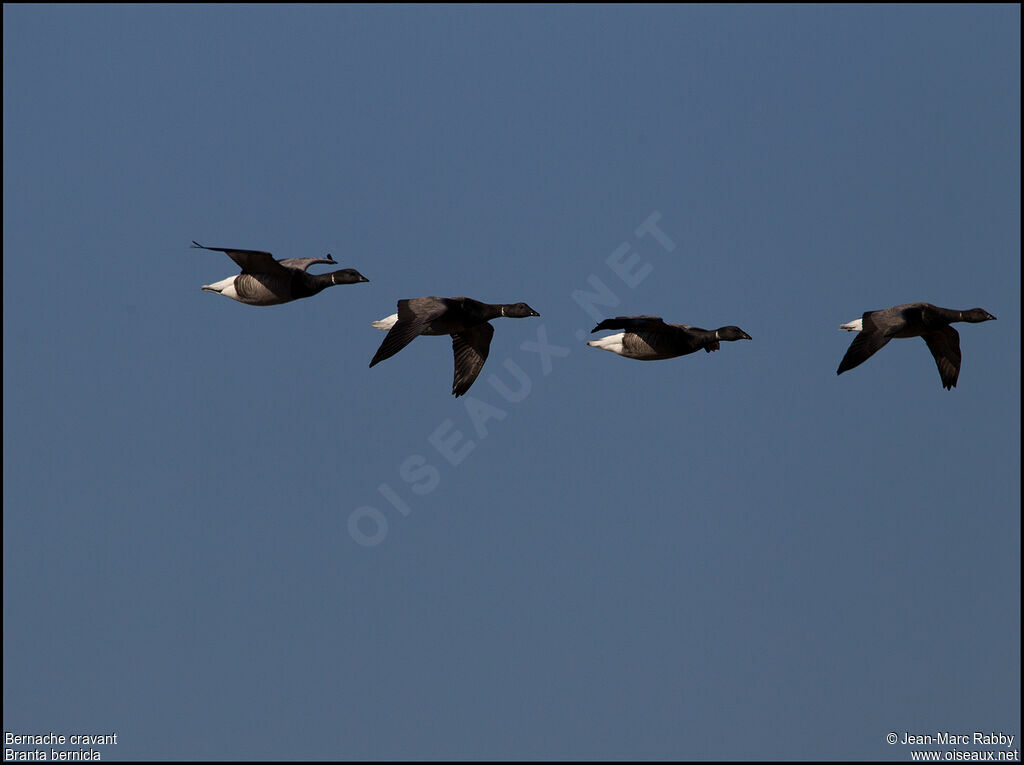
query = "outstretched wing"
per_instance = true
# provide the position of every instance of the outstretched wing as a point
(414, 316)
(470, 347)
(303, 264)
(250, 261)
(867, 342)
(944, 343)
(633, 323)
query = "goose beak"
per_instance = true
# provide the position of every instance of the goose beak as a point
(990, 316)
(534, 313)
(363, 278)
(747, 337)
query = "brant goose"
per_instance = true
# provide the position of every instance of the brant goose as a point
(465, 319)
(648, 338)
(876, 328)
(266, 281)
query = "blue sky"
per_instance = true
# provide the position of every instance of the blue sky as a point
(735, 555)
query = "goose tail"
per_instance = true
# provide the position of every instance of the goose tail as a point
(387, 322)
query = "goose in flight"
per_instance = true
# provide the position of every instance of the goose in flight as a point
(649, 338)
(465, 319)
(875, 328)
(266, 281)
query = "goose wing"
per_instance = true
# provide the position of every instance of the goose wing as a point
(303, 264)
(867, 343)
(634, 324)
(470, 347)
(944, 343)
(250, 261)
(414, 316)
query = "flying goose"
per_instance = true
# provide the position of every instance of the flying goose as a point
(648, 338)
(266, 281)
(465, 319)
(876, 328)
